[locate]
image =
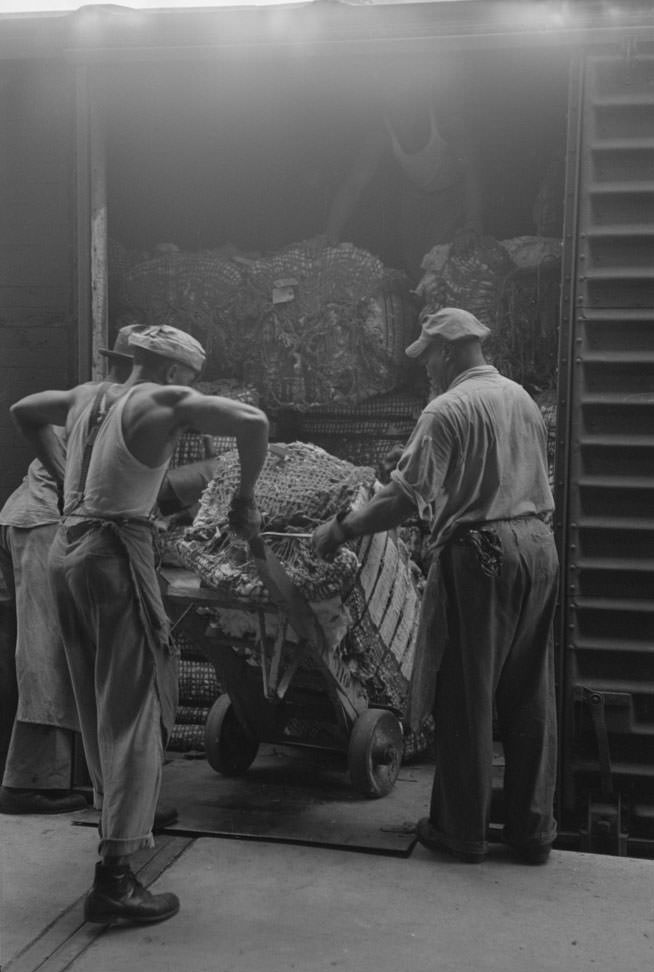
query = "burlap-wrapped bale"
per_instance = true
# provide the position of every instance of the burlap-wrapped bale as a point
(364, 434)
(198, 690)
(336, 331)
(471, 277)
(194, 446)
(367, 600)
(299, 486)
(192, 291)
(302, 326)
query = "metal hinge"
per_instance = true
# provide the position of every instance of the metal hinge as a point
(605, 831)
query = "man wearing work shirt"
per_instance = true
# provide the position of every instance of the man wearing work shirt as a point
(475, 468)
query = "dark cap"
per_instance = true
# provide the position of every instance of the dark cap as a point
(121, 350)
(449, 324)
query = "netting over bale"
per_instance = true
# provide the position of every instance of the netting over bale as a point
(194, 446)
(514, 288)
(470, 277)
(304, 328)
(300, 484)
(371, 588)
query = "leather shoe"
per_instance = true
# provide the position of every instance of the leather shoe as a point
(117, 895)
(429, 837)
(20, 801)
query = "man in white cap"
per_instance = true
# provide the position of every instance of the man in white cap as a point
(475, 469)
(37, 765)
(115, 629)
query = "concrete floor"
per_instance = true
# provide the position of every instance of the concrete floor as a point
(256, 905)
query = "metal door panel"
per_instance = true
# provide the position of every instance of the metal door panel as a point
(606, 488)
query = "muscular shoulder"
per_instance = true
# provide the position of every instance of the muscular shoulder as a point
(157, 406)
(165, 396)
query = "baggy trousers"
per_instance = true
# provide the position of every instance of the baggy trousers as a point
(499, 651)
(112, 670)
(40, 753)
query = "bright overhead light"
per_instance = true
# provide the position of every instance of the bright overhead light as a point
(69, 6)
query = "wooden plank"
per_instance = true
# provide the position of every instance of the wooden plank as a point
(83, 209)
(65, 939)
(34, 263)
(34, 301)
(381, 595)
(43, 215)
(19, 335)
(47, 353)
(390, 628)
(26, 163)
(297, 796)
(404, 632)
(373, 563)
(22, 379)
(99, 266)
(406, 663)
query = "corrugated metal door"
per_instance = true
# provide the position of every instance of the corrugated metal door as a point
(606, 488)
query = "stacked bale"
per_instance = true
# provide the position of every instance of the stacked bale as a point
(513, 286)
(365, 434)
(303, 327)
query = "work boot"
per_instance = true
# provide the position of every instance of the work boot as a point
(118, 894)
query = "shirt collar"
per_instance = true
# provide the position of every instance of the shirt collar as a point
(473, 373)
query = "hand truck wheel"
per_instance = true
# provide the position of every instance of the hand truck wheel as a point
(375, 752)
(230, 747)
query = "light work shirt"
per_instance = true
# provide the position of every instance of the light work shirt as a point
(34, 503)
(478, 453)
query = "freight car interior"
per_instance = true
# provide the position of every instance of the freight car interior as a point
(209, 162)
(247, 155)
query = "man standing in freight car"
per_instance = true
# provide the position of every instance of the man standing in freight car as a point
(114, 625)
(475, 468)
(419, 138)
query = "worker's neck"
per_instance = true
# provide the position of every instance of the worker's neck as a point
(141, 375)
(466, 357)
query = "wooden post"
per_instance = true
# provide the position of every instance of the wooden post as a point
(92, 262)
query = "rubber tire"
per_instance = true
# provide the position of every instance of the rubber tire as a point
(375, 730)
(230, 748)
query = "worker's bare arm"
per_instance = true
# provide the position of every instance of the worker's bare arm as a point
(43, 408)
(154, 417)
(215, 415)
(35, 415)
